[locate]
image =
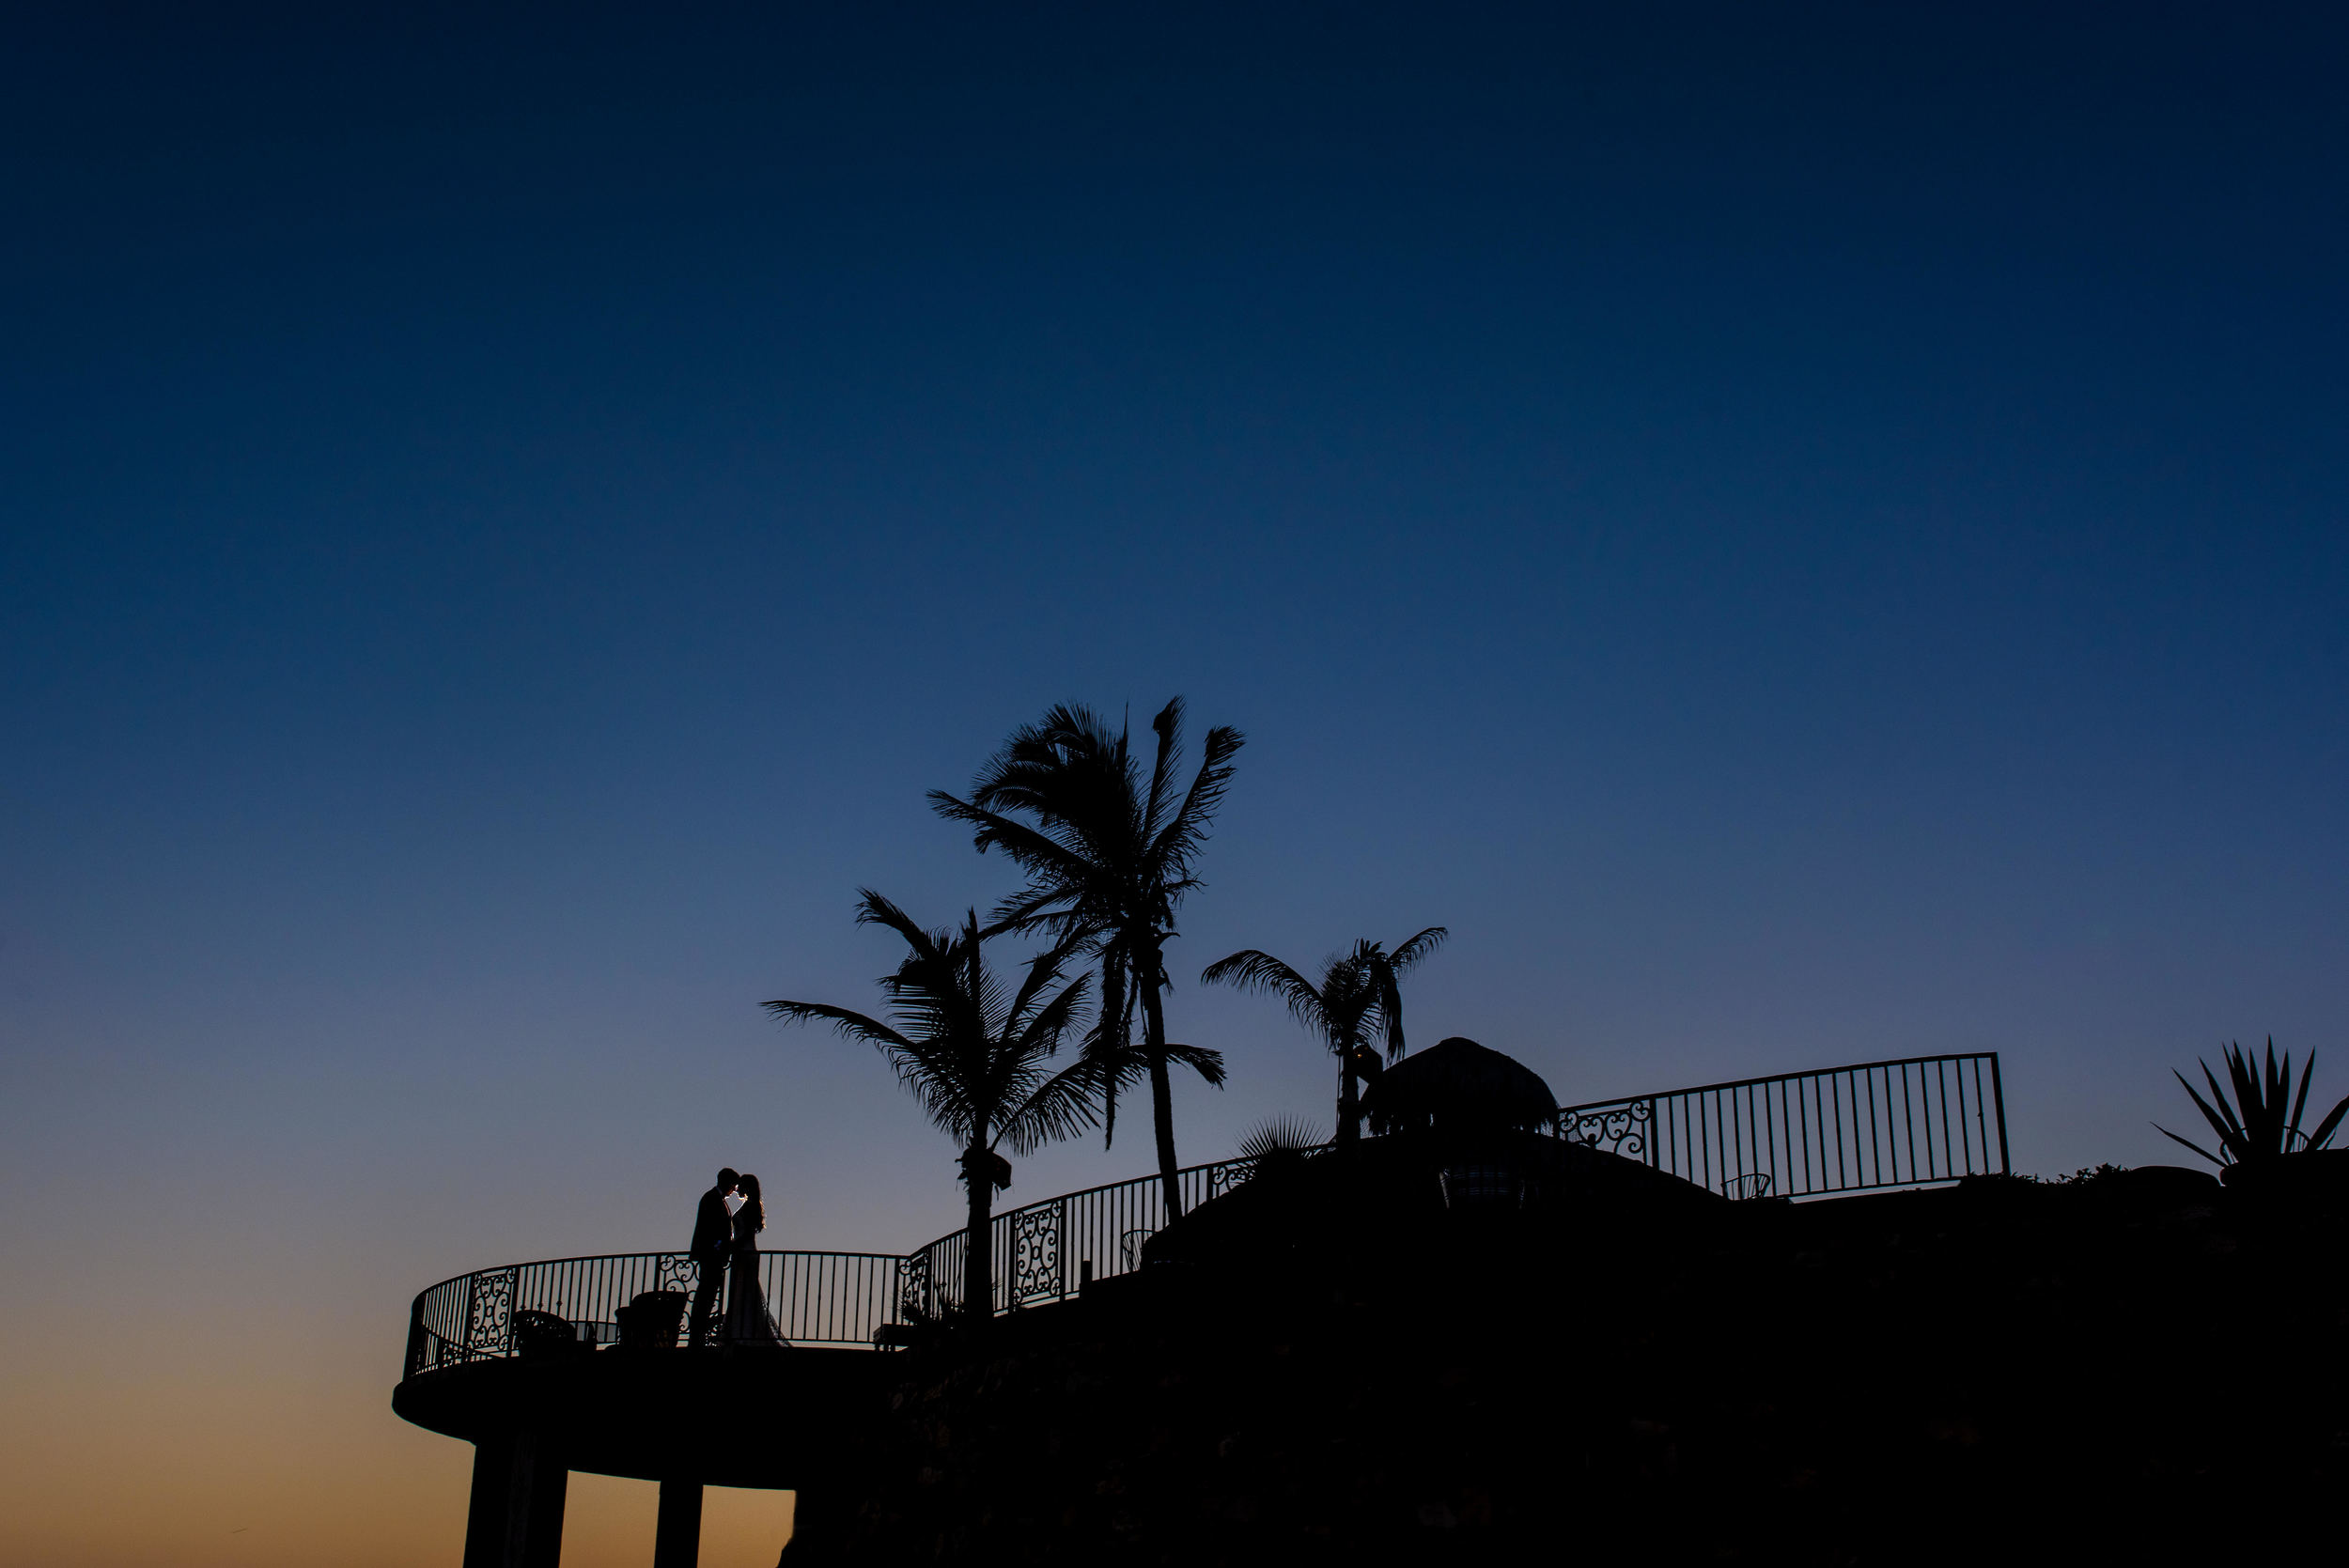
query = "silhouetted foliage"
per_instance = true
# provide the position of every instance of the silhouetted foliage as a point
(1110, 857)
(973, 1057)
(1359, 997)
(1278, 1145)
(1279, 1135)
(2262, 1121)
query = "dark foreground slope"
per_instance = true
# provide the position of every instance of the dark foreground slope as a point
(1338, 1368)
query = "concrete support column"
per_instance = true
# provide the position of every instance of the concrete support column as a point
(533, 1505)
(677, 1541)
(485, 1515)
(515, 1519)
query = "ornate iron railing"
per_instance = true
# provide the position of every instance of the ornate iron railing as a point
(1045, 1252)
(1911, 1123)
(814, 1298)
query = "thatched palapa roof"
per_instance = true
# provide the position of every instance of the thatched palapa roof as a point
(1458, 1086)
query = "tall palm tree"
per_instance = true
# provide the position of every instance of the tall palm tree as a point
(1109, 856)
(1360, 997)
(975, 1058)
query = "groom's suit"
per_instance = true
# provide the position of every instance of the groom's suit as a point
(714, 1227)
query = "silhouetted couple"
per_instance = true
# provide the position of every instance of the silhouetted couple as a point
(725, 1255)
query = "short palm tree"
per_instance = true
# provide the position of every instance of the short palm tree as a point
(1110, 856)
(1358, 998)
(973, 1057)
(2255, 1127)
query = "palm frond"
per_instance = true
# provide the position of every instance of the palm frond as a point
(1061, 1107)
(1053, 863)
(874, 909)
(1040, 1034)
(856, 1026)
(1251, 970)
(1207, 1063)
(1168, 727)
(1419, 947)
(1044, 971)
(1385, 970)
(1177, 843)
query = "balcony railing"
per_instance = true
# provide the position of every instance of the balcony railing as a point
(1044, 1251)
(840, 1299)
(1911, 1123)
(1880, 1125)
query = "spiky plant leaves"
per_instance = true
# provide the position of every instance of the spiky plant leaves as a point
(2190, 1143)
(2262, 1121)
(1283, 1134)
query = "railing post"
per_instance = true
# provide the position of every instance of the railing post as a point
(1998, 1090)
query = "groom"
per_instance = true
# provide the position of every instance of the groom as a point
(714, 1227)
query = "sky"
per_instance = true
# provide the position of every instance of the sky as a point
(1801, 538)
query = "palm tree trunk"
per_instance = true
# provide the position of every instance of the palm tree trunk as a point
(1161, 1091)
(1114, 1034)
(978, 1255)
(1349, 1105)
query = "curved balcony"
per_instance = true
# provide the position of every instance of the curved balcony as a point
(1866, 1127)
(579, 1363)
(816, 1299)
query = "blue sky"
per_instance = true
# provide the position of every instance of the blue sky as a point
(1800, 539)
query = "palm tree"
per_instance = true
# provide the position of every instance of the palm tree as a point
(1109, 856)
(1360, 996)
(974, 1060)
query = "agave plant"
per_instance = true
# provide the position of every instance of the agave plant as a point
(2254, 1126)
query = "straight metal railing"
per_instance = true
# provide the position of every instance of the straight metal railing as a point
(1911, 1123)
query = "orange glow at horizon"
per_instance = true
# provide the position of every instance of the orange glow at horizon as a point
(168, 1454)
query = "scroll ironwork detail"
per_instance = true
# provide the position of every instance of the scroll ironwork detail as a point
(489, 1313)
(1036, 1251)
(1619, 1129)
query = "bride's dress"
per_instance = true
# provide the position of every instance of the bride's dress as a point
(747, 1321)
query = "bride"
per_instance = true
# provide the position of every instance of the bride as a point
(747, 1322)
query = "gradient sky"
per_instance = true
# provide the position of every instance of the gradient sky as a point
(1801, 539)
